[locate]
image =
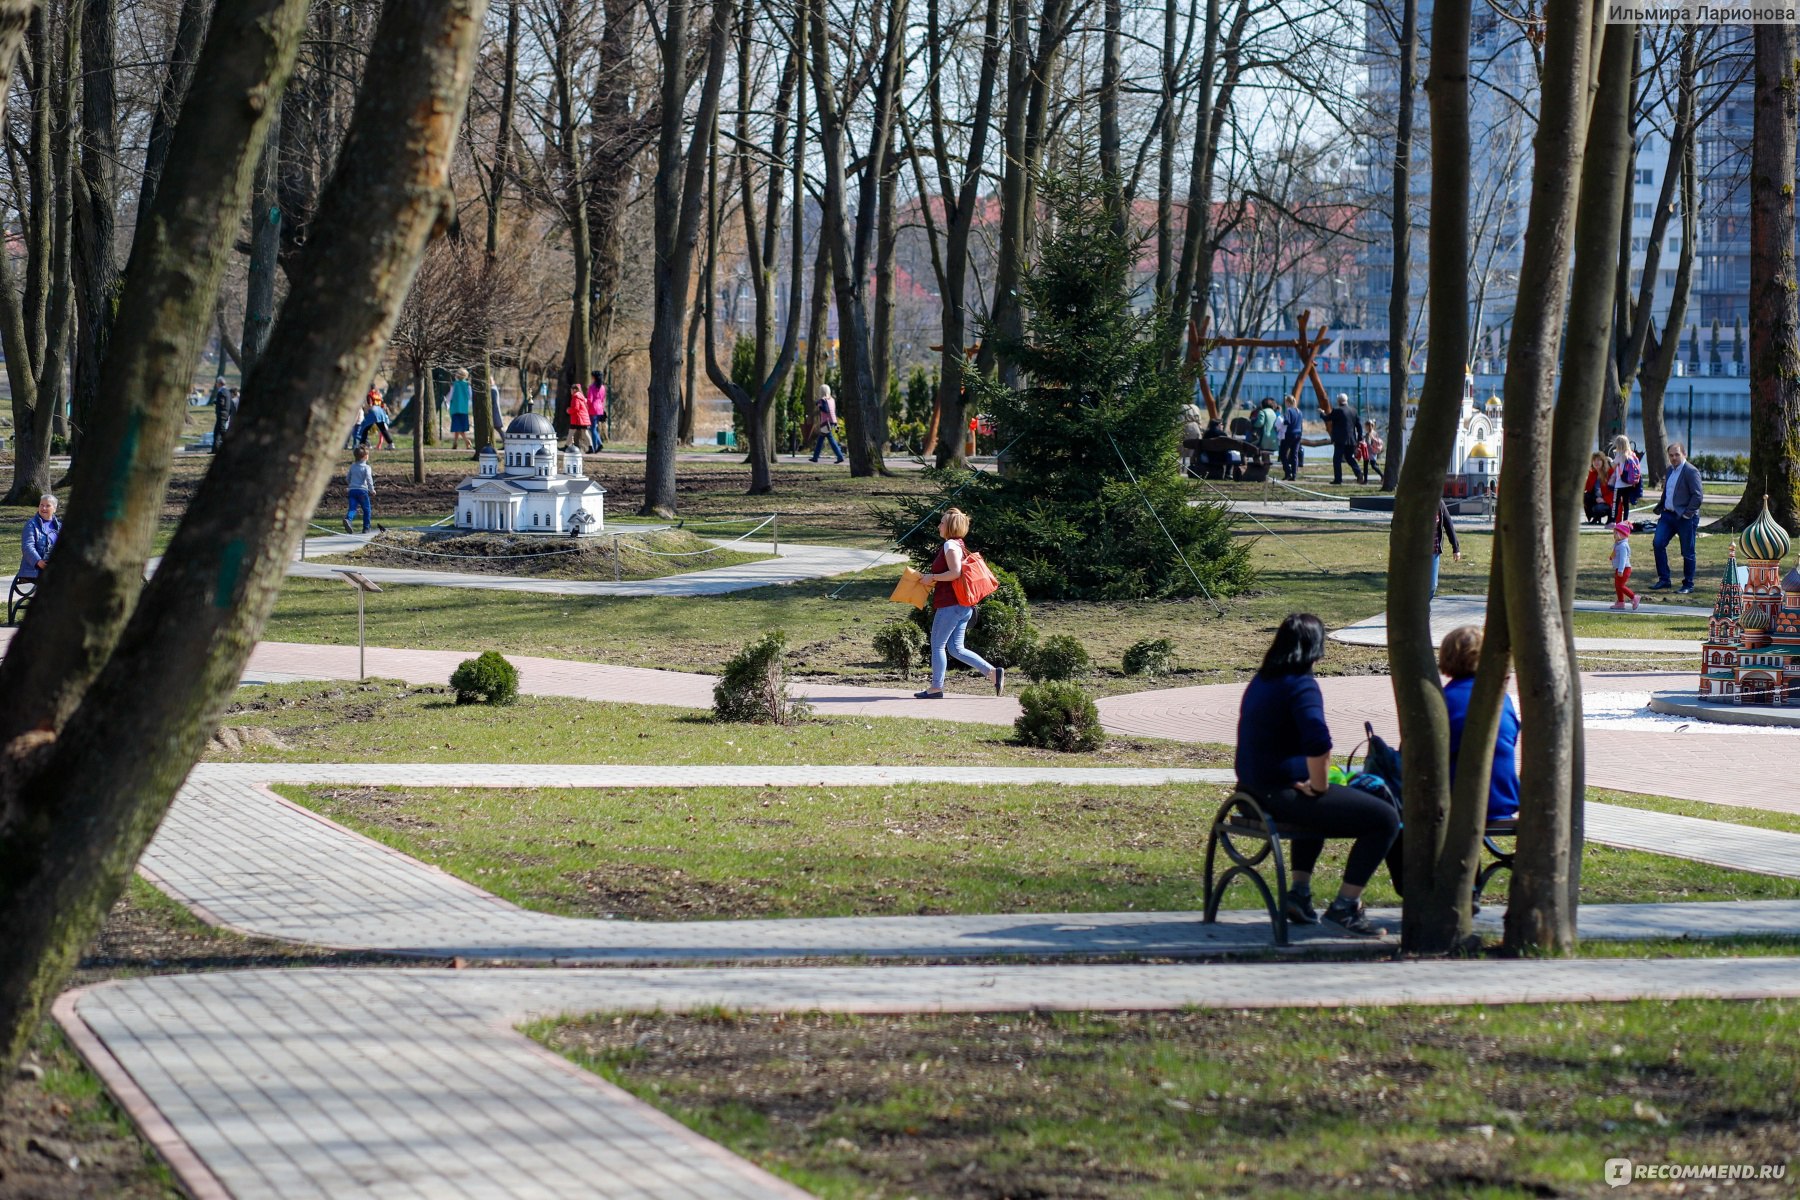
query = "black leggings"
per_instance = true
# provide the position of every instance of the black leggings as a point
(1340, 812)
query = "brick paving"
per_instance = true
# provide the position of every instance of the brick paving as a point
(340, 1084)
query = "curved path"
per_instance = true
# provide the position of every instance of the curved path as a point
(381, 1083)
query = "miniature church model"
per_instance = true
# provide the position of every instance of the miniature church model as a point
(1752, 650)
(526, 493)
(1475, 459)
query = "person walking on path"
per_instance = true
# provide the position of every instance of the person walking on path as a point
(579, 421)
(596, 398)
(1442, 528)
(1343, 429)
(461, 410)
(1293, 428)
(376, 421)
(1283, 754)
(42, 529)
(826, 428)
(950, 617)
(1626, 479)
(1678, 515)
(362, 490)
(1621, 565)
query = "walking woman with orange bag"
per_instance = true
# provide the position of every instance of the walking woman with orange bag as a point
(960, 581)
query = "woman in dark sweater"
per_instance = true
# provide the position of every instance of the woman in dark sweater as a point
(1283, 752)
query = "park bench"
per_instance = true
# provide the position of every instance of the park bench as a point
(17, 596)
(1252, 465)
(1249, 838)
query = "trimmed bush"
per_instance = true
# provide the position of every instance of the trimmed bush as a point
(753, 688)
(489, 679)
(1152, 656)
(1059, 716)
(1058, 657)
(901, 645)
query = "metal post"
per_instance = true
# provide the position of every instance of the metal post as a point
(615, 558)
(775, 531)
(362, 670)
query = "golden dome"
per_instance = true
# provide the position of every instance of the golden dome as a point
(1765, 541)
(1480, 450)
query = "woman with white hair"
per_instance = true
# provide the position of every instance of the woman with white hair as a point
(826, 425)
(41, 532)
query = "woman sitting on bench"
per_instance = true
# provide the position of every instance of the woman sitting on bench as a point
(1283, 750)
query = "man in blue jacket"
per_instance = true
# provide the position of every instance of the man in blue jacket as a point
(41, 532)
(1677, 515)
(1293, 427)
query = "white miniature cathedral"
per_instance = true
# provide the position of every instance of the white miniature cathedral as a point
(528, 494)
(1475, 458)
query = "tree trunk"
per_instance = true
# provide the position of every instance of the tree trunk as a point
(496, 193)
(577, 350)
(96, 200)
(84, 603)
(684, 433)
(1111, 170)
(72, 823)
(1435, 917)
(679, 190)
(1653, 381)
(190, 31)
(24, 317)
(1774, 290)
(481, 403)
(1539, 916)
(1400, 225)
(265, 250)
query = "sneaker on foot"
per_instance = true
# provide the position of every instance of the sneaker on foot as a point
(1618, 606)
(1686, 589)
(347, 528)
(999, 681)
(1297, 906)
(1349, 916)
(1634, 603)
(928, 695)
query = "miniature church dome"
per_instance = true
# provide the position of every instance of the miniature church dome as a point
(1791, 583)
(1765, 540)
(1480, 450)
(1756, 618)
(530, 425)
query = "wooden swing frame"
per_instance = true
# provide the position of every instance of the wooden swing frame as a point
(1199, 346)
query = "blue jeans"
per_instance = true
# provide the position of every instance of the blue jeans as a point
(819, 445)
(1668, 527)
(1437, 560)
(360, 499)
(594, 442)
(948, 624)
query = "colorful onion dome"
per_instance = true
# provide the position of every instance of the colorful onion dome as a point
(1765, 540)
(1756, 618)
(1791, 582)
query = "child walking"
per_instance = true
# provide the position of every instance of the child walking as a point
(362, 490)
(1621, 561)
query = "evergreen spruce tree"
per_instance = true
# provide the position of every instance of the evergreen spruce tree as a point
(1098, 408)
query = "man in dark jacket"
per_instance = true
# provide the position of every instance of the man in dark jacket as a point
(1677, 515)
(1344, 430)
(221, 402)
(1444, 528)
(1293, 428)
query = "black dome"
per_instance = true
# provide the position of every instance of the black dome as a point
(530, 425)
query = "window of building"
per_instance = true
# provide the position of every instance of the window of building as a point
(1643, 211)
(1646, 175)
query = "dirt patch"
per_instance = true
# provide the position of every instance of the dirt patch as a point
(650, 555)
(233, 739)
(1349, 1103)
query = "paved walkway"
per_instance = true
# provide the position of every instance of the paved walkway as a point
(1448, 612)
(795, 563)
(247, 859)
(383, 1083)
(341, 1084)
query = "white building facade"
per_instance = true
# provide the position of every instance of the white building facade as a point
(527, 493)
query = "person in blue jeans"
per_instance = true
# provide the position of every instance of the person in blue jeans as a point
(1677, 515)
(950, 617)
(362, 490)
(827, 426)
(1443, 528)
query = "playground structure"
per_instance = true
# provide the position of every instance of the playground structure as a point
(1199, 346)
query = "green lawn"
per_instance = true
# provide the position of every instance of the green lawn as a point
(1492, 1102)
(386, 720)
(660, 854)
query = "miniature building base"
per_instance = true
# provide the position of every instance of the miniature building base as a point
(1724, 712)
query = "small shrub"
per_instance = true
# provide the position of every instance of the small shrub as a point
(1058, 657)
(1059, 716)
(753, 688)
(900, 644)
(1152, 656)
(489, 679)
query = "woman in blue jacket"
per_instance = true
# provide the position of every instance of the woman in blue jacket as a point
(41, 532)
(1283, 752)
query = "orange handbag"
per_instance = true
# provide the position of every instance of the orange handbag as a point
(976, 583)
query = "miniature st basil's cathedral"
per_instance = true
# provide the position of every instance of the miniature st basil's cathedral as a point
(1752, 649)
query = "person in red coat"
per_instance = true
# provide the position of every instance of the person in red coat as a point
(578, 417)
